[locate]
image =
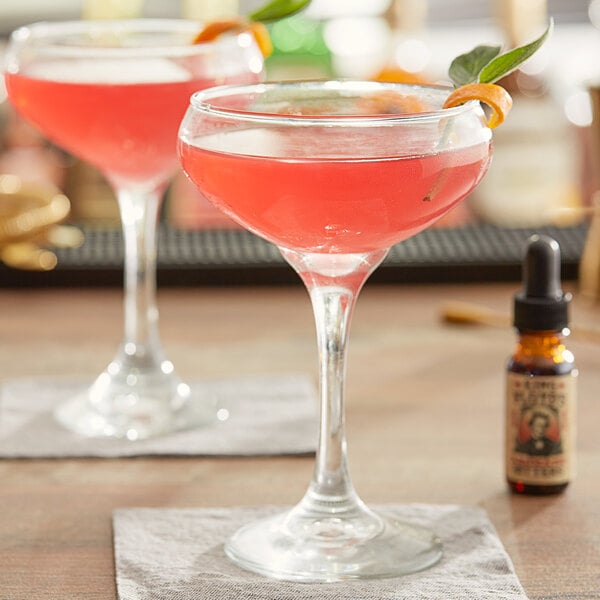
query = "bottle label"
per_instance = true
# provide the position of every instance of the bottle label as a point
(540, 428)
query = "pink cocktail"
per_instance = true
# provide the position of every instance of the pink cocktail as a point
(101, 122)
(312, 168)
(113, 93)
(335, 205)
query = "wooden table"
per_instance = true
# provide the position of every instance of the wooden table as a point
(424, 419)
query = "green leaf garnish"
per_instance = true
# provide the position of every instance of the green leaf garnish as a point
(466, 67)
(278, 9)
(485, 64)
(506, 63)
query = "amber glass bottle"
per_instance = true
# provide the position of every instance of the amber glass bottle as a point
(541, 378)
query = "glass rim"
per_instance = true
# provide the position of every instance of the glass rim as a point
(51, 35)
(200, 101)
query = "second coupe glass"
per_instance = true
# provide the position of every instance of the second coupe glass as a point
(113, 93)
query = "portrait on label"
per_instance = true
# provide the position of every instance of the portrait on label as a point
(538, 434)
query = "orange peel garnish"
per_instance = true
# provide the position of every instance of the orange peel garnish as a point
(495, 96)
(257, 29)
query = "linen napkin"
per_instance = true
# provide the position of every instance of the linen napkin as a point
(163, 554)
(268, 415)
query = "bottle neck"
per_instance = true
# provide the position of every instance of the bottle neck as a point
(543, 344)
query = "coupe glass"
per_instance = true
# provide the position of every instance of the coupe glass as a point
(113, 94)
(311, 168)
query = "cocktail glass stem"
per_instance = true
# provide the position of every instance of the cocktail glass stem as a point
(334, 282)
(138, 395)
(139, 214)
(331, 534)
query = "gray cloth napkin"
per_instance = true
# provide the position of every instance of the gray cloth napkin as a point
(168, 554)
(268, 415)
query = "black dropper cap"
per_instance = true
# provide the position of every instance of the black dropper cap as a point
(541, 305)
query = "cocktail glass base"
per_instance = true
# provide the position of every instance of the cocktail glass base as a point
(309, 548)
(137, 406)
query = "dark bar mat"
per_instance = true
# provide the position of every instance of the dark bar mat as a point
(236, 257)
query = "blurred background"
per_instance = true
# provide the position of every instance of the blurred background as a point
(545, 169)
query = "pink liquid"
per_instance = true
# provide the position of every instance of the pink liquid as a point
(128, 131)
(335, 205)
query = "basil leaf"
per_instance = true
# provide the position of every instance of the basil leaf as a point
(466, 67)
(278, 9)
(506, 63)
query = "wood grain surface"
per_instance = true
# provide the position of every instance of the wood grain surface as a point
(424, 424)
